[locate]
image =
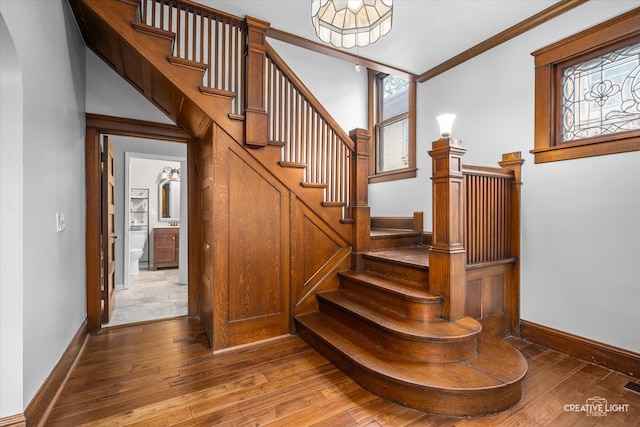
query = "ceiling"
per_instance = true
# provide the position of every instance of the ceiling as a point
(425, 33)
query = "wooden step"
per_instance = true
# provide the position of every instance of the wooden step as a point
(433, 340)
(409, 264)
(394, 238)
(487, 383)
(409, 301)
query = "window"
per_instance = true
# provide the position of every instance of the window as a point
(392, 126)
(588, 92)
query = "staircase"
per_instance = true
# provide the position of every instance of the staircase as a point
(380, 322)
(383, 327)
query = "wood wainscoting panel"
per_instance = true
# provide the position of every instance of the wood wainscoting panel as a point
(486, 298)
(317, 253)
(251, 260)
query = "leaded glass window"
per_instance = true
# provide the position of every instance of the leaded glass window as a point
(601, 96)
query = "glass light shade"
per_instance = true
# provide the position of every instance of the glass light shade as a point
(175, 175)
(349, 23)
(446, 123)
(164, 175)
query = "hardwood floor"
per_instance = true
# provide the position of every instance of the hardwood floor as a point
(163, 373)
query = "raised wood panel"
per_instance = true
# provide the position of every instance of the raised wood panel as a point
(317, 253)
(256, 227)
(320, 248)
(486, 297)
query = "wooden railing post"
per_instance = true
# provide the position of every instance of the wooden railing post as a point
(256, 122)
(360, 211)
(447, 257)
(514, 161)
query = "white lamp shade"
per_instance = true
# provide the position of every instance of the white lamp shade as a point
(446, 123)
(349, 23)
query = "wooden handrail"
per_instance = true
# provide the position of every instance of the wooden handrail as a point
(286, 70)
(309, 135)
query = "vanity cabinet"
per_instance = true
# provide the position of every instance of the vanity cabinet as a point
(166, 246)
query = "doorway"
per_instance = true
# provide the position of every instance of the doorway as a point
(151, 211)
(150, 136)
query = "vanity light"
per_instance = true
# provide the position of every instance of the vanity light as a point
(446, 124)
(168, 172)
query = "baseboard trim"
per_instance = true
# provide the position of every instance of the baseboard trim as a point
(42, 403)
(13, 421)
(618, 359)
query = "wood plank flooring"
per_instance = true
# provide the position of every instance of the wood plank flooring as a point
(163, 374)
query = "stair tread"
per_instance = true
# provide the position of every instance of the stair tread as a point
(394, 287)
(415, 256)
(413, 329)
(497, 363)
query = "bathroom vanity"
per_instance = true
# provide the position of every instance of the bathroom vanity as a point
(166, 247)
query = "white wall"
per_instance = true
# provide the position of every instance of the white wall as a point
(51, 56)
(11, 236)
(580, 225)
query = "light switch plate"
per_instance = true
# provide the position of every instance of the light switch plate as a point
(60, 226)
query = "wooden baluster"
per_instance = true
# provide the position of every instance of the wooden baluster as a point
(255, 116)
(447, 257)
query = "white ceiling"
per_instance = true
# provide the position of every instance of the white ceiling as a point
(425, 33)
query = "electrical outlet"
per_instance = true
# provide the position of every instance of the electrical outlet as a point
(60, 226)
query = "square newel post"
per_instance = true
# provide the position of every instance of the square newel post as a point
(447, 257)
(256, 125)
(514, 161)
(360, 211)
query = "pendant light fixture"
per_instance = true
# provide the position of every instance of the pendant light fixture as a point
(349, 23)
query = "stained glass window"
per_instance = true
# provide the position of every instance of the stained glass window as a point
(601, 96)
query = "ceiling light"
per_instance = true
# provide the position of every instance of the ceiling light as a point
(349, 23)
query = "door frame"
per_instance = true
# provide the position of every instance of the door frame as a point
(97, 125)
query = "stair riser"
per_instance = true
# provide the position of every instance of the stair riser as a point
(463, 403)
(435, 351)
(395, 242)
(374, 297)
(413, 276)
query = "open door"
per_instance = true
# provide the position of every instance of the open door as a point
(108, 236)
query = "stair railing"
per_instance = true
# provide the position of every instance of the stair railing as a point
(204, 36)
(221, 43)
(487, 216)
(311, 139)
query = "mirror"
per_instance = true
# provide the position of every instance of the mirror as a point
(169, 200)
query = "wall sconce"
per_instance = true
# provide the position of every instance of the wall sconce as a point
(170, 173)
(446, 124)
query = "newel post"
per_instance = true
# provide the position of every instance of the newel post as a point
(360, 211)
(447, 257)
(514, 161)
(255, 112)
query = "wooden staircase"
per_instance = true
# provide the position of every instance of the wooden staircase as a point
(384, 328)
(382, 321)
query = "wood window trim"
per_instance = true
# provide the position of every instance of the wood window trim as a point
(548, 61)
(410, 171)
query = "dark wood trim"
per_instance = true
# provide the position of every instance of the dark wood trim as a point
(337, 53)
(137, 128)
(549, 61)
(506, 35)
(17, 420)
(93, 224)
(43, 402)
(618, 359)
(96, 125)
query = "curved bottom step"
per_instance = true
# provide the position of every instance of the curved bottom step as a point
(488, 383)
